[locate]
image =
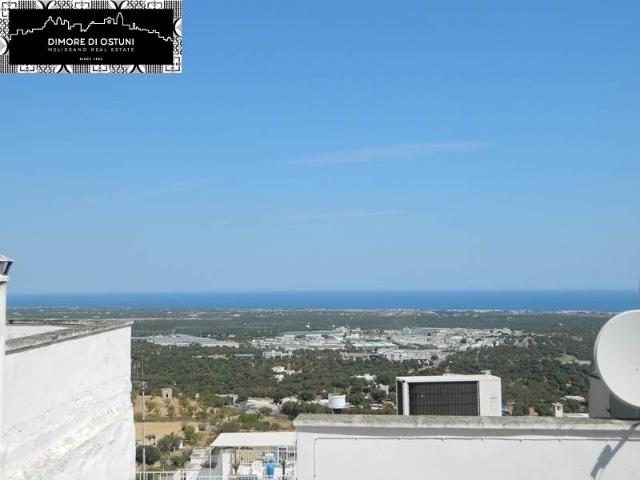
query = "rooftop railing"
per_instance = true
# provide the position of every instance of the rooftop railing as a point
(205, 475)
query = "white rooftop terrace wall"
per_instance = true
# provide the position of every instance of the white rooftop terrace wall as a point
(353, 447)
(67, 405)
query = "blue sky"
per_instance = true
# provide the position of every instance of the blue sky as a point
(338, 145)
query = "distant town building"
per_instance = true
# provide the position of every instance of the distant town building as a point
(355, 355)
(233, 397)
(383, 387)
(166, 393)
(258, 403)
(311, 334)
(280, 372)
(403, 355)
(292, 398)
(372, 344)
(367, 377)
(276, 354)
(179, 340)
(440, 340)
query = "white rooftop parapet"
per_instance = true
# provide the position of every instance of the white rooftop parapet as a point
(380, 447)
(254, 439)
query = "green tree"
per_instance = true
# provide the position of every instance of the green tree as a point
(544, 410)
(169, 443)
(164, 461)
(152, 454)
(572, 406)
(293, 409)
(520, 410)
(378, 395)
(307, 395)
(357, 399)
(179, 459)
(189, 432)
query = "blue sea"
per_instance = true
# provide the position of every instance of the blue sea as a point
(592, 300)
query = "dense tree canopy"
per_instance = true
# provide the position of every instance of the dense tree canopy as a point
(537, 368)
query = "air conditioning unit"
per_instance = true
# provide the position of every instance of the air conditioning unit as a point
(470, 395)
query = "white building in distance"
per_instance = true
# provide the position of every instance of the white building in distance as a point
(179, 340)
(276, 354)
(403, 355)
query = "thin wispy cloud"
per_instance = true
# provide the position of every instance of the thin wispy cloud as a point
(390, 153)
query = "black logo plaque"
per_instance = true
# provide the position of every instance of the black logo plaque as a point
(91, 40)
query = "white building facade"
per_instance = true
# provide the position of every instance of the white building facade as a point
(65, 399)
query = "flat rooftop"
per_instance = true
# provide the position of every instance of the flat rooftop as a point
(181, 338)
(27, 334)
(529, 425)
(255, 439)
(19, 331)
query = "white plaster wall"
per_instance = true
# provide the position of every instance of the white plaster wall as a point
(376, 454)
(67, 409)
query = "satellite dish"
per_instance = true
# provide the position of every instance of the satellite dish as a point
(617, 356)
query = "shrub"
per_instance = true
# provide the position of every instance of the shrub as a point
(152, 454)
(169, 443)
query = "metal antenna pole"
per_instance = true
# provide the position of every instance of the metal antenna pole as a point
(139, 380)
(144, 442)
